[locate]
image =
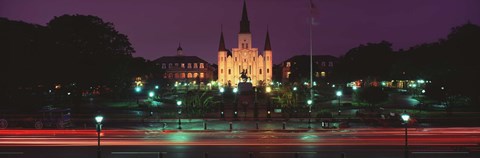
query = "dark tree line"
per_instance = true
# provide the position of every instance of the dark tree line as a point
(450, 63)
(78, 50)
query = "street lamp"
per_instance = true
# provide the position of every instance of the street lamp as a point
(339, 95)
(222, 105)
(235, 91)
(295, 93)
(99, 119)
(151, 94)
(406, 118)
(309, 102)
(179, 105)
(138, 89)
(157, 87)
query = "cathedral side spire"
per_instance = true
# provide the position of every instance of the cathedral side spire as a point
(267, 42)
(244, 23)
(221, 46)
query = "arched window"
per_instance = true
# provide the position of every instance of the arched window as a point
(189, 75)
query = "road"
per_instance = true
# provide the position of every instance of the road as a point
(361, 142)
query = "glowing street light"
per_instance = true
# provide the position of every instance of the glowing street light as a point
(339, 96)
(406, 118)
(99, 119)
(222, 89)
(138, 89)
(151, 94)
(339, 93)
(354, 87)
(235, 90)
(294, 88)
(157, 87)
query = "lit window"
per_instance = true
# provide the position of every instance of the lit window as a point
(288, 74)
(202, 75)
(183, 75)
(189, 65)
(183, 65)
(195, 65)
(202, 66)
(195, 75)
(323, 74)
(288, 64)
(189, 75)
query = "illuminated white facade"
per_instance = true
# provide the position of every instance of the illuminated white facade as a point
(244, 58)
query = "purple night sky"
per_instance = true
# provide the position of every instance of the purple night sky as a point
(155, 27)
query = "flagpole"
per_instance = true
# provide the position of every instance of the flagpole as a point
(311, 54)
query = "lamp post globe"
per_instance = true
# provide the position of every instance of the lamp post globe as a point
(138, 89)
(405, 117)
(99, 119)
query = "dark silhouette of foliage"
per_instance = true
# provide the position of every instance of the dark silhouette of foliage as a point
(373, 95)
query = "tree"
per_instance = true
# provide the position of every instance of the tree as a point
(371, 60)
(373, 95)
(92, 49)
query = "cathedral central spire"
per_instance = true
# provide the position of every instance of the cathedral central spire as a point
(244, 23)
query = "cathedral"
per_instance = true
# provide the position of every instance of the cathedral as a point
(244, 59)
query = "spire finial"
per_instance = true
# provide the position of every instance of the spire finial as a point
(179, 49)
